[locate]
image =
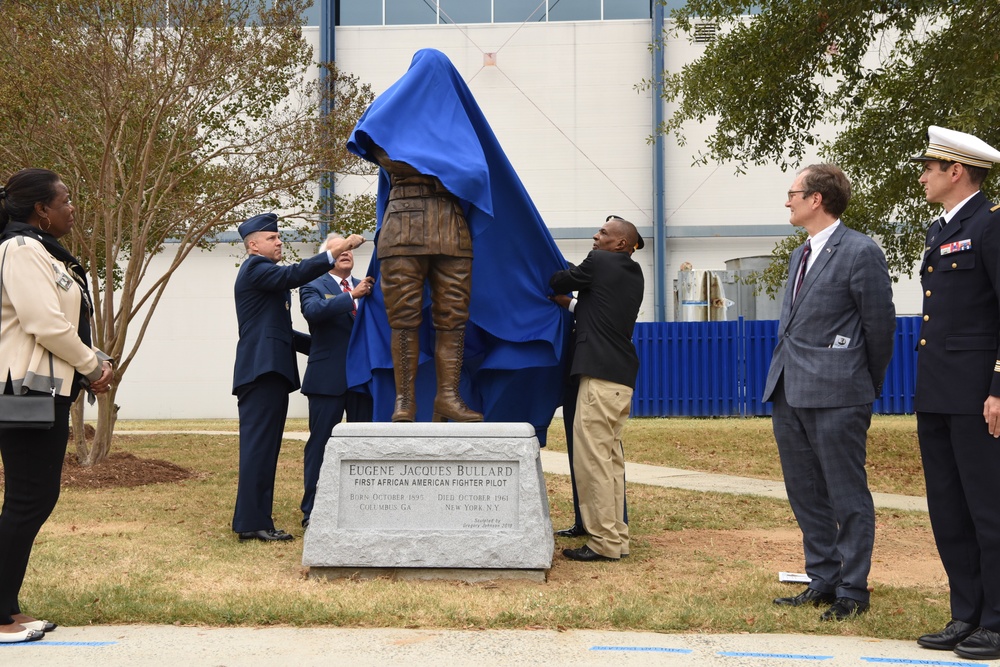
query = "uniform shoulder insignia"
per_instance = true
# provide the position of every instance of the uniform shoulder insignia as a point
(994, 209)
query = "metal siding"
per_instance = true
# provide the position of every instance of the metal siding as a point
(718, 369)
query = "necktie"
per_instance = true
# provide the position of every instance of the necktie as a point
(347, 288)
(802, 269)
(940, 223)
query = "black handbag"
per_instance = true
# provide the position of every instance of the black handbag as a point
(33, 411)
(37, 411)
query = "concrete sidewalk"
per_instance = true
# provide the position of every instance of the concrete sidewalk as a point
(159, 646)
(676, 478)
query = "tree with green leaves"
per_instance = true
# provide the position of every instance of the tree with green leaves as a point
(858, 82)
(170, 121)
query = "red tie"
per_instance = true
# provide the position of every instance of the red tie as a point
(347, 288)
(802, 269)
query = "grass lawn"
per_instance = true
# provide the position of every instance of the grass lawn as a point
(700, 562)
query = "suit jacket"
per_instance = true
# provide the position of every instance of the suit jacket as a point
(846, 296)
(610, 287)
(39, 312)
(327, 309)
(263, 310)
(960, 332)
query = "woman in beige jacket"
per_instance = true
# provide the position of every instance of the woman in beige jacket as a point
(45, 312)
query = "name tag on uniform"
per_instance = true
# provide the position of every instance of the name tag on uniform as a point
(957, 246)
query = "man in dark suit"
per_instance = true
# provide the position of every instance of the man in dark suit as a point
(958, 388)
(610, 287)
(835, 341)
(330, 304)
(266, 371)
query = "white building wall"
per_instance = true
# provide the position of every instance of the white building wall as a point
(562, 101)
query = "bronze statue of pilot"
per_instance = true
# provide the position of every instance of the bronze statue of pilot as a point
(424, 238)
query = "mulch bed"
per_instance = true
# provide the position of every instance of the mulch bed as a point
(120, 469)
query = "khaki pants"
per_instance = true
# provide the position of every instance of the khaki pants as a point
(599, 463)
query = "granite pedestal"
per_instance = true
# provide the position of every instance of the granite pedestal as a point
(431, 500)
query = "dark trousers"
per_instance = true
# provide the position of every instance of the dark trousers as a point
(263, 406)
(325, 412)
(32, 463)
(823, 454)
(961, 468)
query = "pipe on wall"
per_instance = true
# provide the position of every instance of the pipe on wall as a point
(660, 291)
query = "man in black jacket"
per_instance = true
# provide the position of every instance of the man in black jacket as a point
(610, 287)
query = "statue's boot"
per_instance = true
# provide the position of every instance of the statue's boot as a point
(405, 356)
(448, 404)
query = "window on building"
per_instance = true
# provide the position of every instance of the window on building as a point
(357, 12)
(410, 12)
(574, 10)
(466, 11)
(518, 11)
(425, 12)
(628, 9)
(312, 14)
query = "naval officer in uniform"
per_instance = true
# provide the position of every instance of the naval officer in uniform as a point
(958, 387)
(266, 371)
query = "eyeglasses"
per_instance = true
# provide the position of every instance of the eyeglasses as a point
(613, 217)
(795, 192)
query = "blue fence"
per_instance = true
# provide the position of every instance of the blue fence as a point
(718, 369)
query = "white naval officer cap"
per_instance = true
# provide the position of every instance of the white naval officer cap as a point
(954, 146)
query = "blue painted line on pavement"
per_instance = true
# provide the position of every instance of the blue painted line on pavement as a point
(657, 649)
(40, 644)
(787, 656)
(905, 661)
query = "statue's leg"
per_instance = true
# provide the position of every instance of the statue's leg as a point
(450, 280)
(405, 352)
(402, 280)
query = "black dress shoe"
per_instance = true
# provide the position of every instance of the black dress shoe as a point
(271, 535)
(948, 638)
(983, 644)
(572, 531)
(808, 596)
(585, 554)
(843, 609)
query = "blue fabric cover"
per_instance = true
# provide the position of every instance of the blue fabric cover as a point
(516, 338)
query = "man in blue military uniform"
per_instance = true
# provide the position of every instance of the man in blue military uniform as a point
(266, 371)
(958, 387)
(329, 305)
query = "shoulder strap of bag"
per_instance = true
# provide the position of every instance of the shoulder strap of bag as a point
(52, 373)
